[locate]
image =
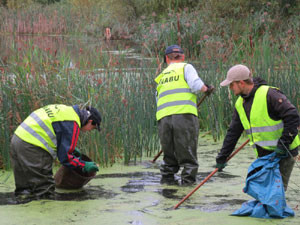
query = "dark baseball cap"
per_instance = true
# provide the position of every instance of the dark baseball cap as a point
(94, 116)
(173, 49)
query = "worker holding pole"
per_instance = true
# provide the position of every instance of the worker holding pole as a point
(49, 132)
(270, 121)
(266, 115)
(177, 112)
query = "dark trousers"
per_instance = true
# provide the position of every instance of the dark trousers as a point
(179, 140)
(286, 166)
(32, 167)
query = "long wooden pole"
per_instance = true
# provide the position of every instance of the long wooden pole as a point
(156, 157)
(210, 175)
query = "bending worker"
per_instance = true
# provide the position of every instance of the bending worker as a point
(267, 116)
(46, 133)
(177, 117)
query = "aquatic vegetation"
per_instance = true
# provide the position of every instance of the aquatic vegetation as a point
(118, 78)
(133, 195)
(123, 93)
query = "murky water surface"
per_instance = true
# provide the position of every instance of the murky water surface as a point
(133, 195)
(74, 46)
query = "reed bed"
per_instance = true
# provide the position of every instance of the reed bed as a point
(121, 86)
(124, 91)
(277, 67)
(124, 96)
(215, 44)
(84, 17)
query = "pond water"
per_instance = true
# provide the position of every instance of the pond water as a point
(74, 46)
(133, 195)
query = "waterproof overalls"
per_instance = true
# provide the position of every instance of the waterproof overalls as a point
(34, 147)
(177, 123)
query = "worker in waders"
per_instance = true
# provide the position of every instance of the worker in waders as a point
(49, 132)
(177, 117)
(266, 115)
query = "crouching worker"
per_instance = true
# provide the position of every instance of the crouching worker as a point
(49, 132)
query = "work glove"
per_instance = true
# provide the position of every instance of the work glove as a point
(90, 167)
(210, 89)
(76, 152)
(221, 166)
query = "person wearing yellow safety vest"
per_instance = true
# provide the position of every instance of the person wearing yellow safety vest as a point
(49, 132)
(266, 115)
(178, 124)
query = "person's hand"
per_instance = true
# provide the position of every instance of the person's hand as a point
(76, 152)
(210, 89)
(90, 167)
(221, 166)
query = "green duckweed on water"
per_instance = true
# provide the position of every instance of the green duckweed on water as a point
(133, 195)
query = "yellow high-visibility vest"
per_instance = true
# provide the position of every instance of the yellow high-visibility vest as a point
(174, 96)
(37, 128)
(262, 130)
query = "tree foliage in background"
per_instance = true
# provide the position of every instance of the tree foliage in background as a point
(17, 4)
(136, 8)
(160, 8)
(25, 3)
(239, 9)
(45, 2)
(127, 11)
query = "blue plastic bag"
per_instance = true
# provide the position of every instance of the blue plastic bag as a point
(264, 183)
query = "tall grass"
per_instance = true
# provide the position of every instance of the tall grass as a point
(124, 96)
(123, 91)
(36, 74)
(214, 44)
(70, 17)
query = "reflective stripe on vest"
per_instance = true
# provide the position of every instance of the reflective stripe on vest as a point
(262, 130)
(180, 90)
(37, 128)
(174, 95)
(45, 128)
(182, 102)
(37, 136)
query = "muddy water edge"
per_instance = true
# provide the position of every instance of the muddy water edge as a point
(133, 195)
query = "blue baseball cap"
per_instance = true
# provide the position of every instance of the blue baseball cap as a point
(172, 49)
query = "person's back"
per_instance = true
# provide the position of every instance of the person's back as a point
(47, 133)
(176, 114)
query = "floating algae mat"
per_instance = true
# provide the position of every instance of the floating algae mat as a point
(133, 195)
